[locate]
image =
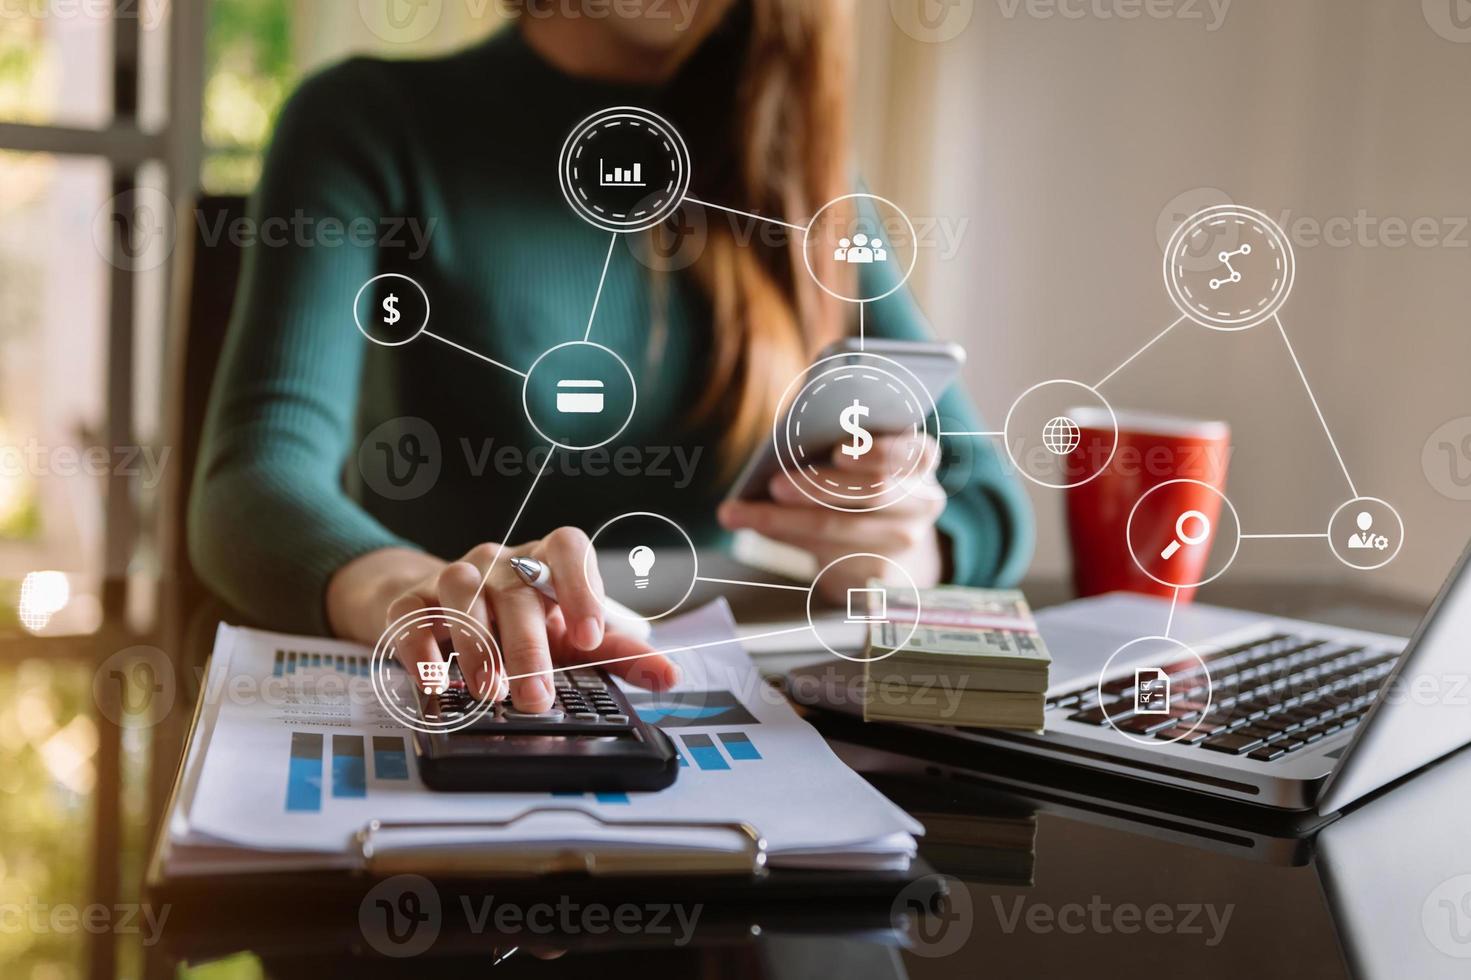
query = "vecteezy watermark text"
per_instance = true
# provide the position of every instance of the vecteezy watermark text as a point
(402, 459)
(566, 917)
(302, 230)
(62, 918)
(1212, 13)
(410, 21)
(34, 459)
(403, 916)
(1361, 229)
(678, 463)
(1104, 918)
(149, 13)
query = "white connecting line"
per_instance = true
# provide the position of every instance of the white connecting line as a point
(1324, 422)
(1157, 338)
(745, 214)
(1174, 601)
(1261, 537)
(754, 585)
(506, 541)
(657, 653)
(597, 297)
(475, 354)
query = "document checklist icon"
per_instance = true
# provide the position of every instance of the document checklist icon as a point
(1151, 691)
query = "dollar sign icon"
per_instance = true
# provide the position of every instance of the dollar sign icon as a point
(862, 438)
(391, 315)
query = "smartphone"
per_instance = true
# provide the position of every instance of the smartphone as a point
(591, 741)
(928, 366)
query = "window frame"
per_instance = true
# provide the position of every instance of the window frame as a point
(175, 147)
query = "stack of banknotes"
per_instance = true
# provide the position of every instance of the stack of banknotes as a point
(974, 659)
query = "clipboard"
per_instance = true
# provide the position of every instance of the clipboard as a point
(734, 880)
(386, 848)
(378, 854)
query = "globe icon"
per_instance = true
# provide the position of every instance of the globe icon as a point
(1061, 435)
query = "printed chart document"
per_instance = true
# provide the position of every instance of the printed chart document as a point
(292, 756)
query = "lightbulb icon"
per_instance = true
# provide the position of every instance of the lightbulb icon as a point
(641, 560)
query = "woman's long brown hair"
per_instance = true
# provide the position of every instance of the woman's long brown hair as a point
(764, 106)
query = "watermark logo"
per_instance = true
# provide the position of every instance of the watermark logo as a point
(932, 21)
(400, 916)
(674, 244)
(1451, 19)
(134, 230)
(134, 688)
(1446, 917)
(1446, 459)
(1180, 209)
(401, 21)
(401, 458)
(937, 913)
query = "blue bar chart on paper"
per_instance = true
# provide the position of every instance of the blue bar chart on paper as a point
(304, 773)
(390, 758)
(311, 776)
(290, 662)
(349, 767)
(708, 727)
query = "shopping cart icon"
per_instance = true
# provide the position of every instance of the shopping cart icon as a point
(434, 674)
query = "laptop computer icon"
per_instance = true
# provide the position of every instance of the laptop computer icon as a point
(868, 605)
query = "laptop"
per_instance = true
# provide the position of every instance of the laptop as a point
(1284, 714)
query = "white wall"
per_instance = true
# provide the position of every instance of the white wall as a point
(1062, 142)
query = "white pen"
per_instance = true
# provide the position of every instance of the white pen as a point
(617, 616)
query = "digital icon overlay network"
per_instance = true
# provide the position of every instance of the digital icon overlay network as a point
(625, 169)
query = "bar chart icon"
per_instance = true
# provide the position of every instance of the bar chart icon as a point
(620, 176)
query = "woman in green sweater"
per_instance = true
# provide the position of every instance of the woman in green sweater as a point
(465, 148)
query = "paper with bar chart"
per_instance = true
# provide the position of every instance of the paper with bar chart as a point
(295, 756)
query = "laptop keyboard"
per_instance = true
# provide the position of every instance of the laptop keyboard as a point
(1272, 697)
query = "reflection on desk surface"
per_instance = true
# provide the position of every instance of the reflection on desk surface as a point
(1050, 887)
(1107, 888)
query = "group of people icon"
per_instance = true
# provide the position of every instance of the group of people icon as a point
(861, 250)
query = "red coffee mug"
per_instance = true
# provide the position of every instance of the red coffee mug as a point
(1152, 450)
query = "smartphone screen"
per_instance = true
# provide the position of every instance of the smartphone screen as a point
(929, 367)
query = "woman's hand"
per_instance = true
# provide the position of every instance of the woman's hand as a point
(534, 634)
(903, 532)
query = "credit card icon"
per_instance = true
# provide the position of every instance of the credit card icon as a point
(579, 397)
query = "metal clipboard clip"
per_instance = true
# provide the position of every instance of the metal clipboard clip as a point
(387, 847)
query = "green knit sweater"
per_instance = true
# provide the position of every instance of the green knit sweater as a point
(464, 148)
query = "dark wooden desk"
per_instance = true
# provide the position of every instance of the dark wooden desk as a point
(1056, 885)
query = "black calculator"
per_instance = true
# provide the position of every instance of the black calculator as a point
(591, 741)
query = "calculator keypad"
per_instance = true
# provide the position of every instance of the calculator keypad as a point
(585, 699)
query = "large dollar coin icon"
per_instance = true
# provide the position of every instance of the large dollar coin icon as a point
(853, 434)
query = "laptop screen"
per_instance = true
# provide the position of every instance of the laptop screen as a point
(1424, 709)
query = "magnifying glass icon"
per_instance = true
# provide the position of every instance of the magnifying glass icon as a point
(1182, 538)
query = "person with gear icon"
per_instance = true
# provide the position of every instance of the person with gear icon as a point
(1364, 538)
